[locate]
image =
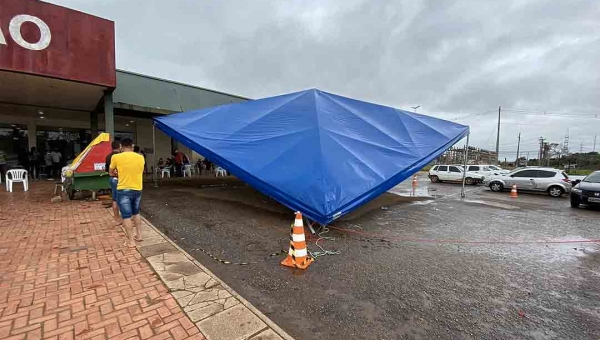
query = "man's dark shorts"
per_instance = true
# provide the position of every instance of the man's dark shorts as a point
(113, 187)
(129, 202)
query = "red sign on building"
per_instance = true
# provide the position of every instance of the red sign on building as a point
(49, 40)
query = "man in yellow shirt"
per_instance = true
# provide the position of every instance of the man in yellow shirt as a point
(128, 166)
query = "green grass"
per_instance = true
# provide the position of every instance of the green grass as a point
(580, 172)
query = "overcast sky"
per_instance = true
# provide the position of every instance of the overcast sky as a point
(457, 59)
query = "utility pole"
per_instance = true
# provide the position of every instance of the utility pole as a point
(518, 147)
(498, 137)
(579, 156)
(541, 152)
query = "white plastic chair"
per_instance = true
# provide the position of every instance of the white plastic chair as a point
(187, 169)
(16, 176)
(220, 172)
(166, 171)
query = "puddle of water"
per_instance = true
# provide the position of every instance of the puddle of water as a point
(423, 202)
(415, 192)
(579, 249)
(493, 204)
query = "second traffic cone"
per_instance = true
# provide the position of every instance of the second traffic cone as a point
(298, 254)
(414, 181)
(513, 191)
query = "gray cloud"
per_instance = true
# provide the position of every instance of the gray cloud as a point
(453, 58)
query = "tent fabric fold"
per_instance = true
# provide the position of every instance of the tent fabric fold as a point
(315, 152)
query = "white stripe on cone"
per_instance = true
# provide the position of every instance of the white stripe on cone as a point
(298, 237)
(298, 223)
(299, 252)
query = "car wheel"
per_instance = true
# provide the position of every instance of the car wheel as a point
(496, 186)
(71, 193)
(574, 204)
(555, 191)
(469, 181)
(434, 179)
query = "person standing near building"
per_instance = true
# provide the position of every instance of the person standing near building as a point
(56, 158)
(178, 155)
(143, 153)
(34, 163)
(140, 151)
(3, 161)
(48, 163)
(116, 148)
(128, 166)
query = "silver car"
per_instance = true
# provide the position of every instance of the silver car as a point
(553, 181)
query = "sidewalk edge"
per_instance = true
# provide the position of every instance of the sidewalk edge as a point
(245, 302)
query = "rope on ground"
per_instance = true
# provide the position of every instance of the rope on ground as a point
(222, 261)
(281, 252)
(323, 252)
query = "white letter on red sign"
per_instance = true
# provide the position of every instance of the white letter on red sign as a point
(15, 32)
(2, 40)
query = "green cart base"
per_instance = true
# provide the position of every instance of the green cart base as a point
(89, 181)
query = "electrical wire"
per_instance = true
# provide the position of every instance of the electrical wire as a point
(322, 231)
(475, 114)
(550, 114)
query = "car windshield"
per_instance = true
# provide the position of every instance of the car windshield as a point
(593, 178)
(494, 167)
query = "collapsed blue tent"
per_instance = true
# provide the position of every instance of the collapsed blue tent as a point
(315, 152)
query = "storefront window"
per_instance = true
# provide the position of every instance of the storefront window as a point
(13, 141)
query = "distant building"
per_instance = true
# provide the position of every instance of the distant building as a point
(475, 155)
(60, 87)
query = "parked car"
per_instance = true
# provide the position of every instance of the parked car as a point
(453, 173)
(586, 191)
(487, 170)
(553, 181)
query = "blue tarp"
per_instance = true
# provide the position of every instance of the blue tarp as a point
(315, 152)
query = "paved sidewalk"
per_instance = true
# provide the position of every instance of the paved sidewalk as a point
(65, 274)
(219, 312)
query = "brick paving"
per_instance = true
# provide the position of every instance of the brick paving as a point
(65, 274)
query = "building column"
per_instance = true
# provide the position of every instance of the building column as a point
(109, 115)
(32, 134)
(94, 124)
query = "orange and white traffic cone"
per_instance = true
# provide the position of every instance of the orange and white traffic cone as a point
(513, 191)
(298, 254)
(414, 181)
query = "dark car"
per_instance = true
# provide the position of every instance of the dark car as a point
(587, 191)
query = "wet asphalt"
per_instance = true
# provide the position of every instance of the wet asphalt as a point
(483, 267)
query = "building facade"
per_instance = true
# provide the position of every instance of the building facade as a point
(59, 86)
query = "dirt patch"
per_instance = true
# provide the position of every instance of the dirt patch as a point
(384, 284)
(235, 191)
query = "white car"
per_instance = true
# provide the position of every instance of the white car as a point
(487, 170)
(453, 173)
(553, 181)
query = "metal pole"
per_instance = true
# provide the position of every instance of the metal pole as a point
(498, 138)
(518, 147)
(462, 192)
(154, 155)
(541, 153)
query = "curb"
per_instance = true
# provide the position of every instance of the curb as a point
(243, 301)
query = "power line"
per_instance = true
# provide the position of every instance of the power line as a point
(547, 114)
(475, 114)
(526, 112)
